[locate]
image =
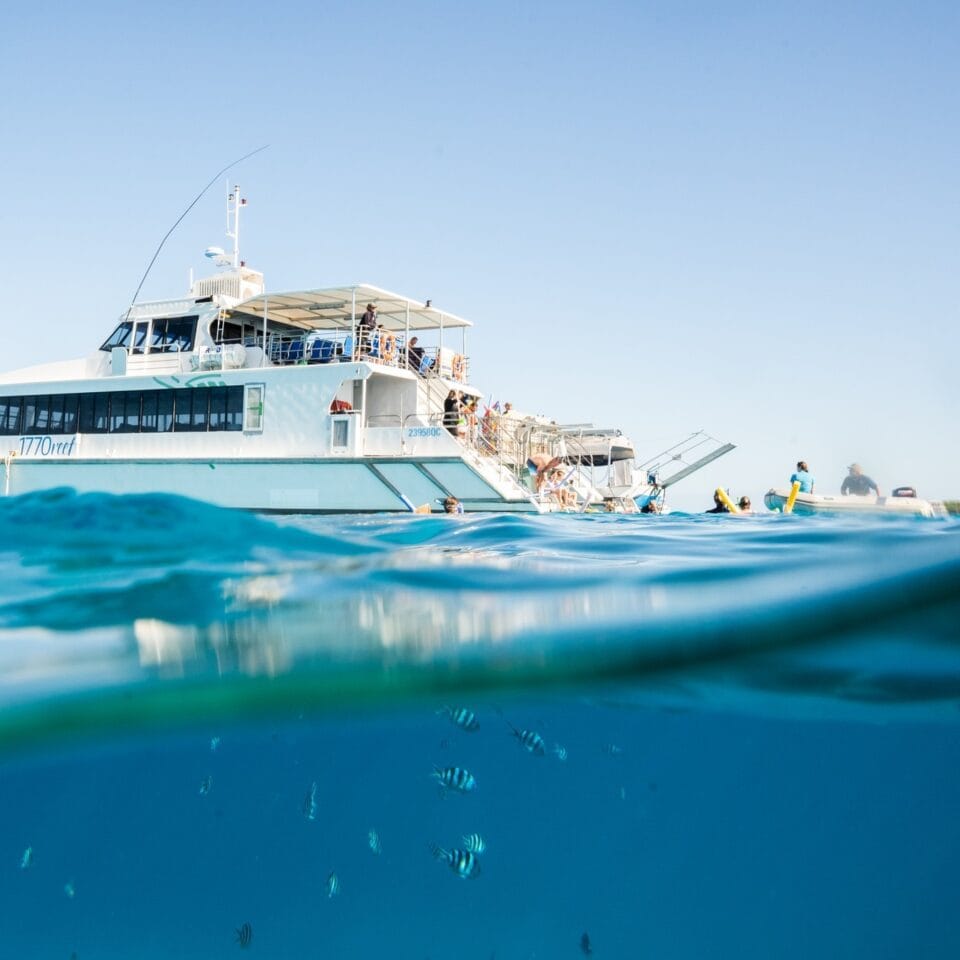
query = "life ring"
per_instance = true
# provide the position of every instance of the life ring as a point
(456, 367)
(388, 345)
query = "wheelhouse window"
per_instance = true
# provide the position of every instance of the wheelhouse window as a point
(119, 338)
(166, 335)
(173, 334)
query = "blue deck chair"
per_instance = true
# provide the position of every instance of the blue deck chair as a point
(321, 351)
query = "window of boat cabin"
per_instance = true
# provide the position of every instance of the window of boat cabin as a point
(63, 413)
(94, 408)
(168, 335)
(125, 411)
(229, 331)
(213, 409)
(173, 334)
(10, 415)
(226, 409)
(190, 411)
(253, 407)
(157, 412)
(341, 433)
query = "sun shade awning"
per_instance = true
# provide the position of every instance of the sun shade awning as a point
(337, 308)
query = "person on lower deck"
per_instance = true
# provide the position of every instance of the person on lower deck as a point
(451, 412)
(858, 483)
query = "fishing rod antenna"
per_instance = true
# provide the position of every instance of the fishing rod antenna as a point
(194, 202)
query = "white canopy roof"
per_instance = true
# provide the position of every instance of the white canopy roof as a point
(338, 308)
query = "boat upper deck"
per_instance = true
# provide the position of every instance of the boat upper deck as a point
(340, 308)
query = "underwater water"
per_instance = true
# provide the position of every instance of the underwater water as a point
(672, 736)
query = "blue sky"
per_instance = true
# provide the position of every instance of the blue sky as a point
(662, 217)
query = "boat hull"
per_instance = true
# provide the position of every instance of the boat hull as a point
(308, 485)
(836, 504)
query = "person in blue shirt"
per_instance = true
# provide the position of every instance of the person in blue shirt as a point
(804, 476)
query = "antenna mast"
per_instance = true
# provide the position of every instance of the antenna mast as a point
(234, 203)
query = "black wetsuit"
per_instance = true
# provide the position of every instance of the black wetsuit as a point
(451, 414)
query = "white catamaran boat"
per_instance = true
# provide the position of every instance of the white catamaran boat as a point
(281, 402)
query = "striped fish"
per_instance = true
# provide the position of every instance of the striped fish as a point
(463, 863)
(465, 719)
(205, 784)
(455, 778)
(475, 843)
(243, 935)
(560, 752)
(333, 885)
(373, 841)
(531, 740)
(27, 859)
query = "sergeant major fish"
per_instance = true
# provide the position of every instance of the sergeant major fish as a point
(205, 785)
(463, 718)
(530, 740)
(27, 859)
(332, 885)
(373, 841)
(455, 778)
(464, 863)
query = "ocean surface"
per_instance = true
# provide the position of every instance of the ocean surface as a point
(681, 736)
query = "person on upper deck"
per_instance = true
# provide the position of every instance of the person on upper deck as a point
(366, 326)
(803, 475)
(858, 483)
(414, 355)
